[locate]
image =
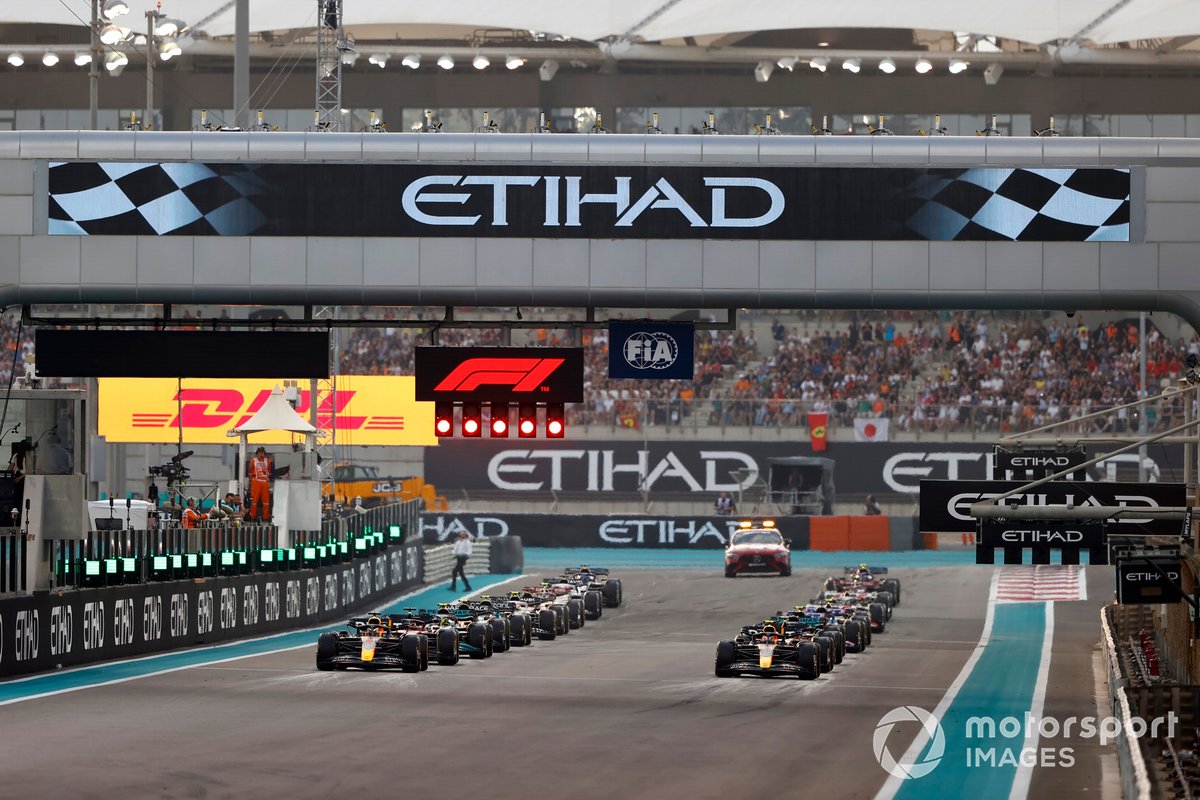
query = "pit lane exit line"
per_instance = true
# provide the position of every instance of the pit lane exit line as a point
(76, 679)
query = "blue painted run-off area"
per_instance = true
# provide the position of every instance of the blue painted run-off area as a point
(1001, 685)
(83, 677)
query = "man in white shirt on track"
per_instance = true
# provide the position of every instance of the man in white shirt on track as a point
(462, 552)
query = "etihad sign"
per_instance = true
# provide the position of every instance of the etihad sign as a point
(365, 409)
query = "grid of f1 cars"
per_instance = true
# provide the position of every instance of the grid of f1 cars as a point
(811, 639)
(473, 628)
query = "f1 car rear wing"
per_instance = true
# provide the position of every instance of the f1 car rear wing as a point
(870, 569)
(585, 568)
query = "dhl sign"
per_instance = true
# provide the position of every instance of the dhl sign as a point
(365, 409)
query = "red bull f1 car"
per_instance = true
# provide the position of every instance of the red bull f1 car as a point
(376, 641)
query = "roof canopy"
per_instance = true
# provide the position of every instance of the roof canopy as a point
(1034, 21)
(276, 415)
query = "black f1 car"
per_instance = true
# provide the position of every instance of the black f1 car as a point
(768, 652)
(378, 641)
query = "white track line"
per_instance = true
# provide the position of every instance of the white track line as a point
(1020, 786)
(893, 783)
(207, 663)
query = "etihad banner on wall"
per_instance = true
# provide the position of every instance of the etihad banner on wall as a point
(606, 467)
(366, 409)
(588, 201)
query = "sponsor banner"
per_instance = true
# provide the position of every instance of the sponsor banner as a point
(1040, 533)
(365, 409)
(871, 429)
(617, 467)
(946, 505)
(47, 631)
(500, 374)
(1035, 464)
(602, 530)
(1139, 582)
(589, 201)
(652, 350)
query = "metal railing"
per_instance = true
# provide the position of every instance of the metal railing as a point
(1135, 778)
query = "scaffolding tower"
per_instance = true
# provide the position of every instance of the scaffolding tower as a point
(331, 41)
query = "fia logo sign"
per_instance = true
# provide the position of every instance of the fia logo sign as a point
(648, 350)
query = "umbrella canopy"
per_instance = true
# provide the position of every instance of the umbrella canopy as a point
(276, 415)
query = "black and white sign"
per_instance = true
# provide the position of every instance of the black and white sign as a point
(654, 350)
(1034, 464)
(946, 505)
(46, 631)
(1148, 581)
(647, 201)
(612, 468)
(1040, 533)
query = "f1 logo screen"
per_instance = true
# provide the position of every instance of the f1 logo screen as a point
(486, 374)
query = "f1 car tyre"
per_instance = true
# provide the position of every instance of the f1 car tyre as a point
(593, 604)
(878, 617)
(561, 625)
(839, 643)
(612, 593)
(726, 655)
(501, 631)
(447, 647)
(855, 643)
(830, 585)
(548, 622)
(519, 624)
(424, 640)
(327, 647)
(410, 653)
(825, 652)
(893, 585)
(887, 600)
(479, 636)
(574, 614)
(809, 662)
(864, 620)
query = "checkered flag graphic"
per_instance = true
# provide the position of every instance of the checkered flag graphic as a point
(155, 199)
(1072, 205)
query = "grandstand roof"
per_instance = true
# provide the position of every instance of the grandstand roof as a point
(1031, 21)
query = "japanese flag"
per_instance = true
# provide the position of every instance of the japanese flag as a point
(871, 429)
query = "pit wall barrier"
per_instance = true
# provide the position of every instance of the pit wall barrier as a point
(49, 630)
(683, 532)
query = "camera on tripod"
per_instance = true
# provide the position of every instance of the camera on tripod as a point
(174, 473)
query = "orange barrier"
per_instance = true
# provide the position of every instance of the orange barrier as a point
(829, 533)
(869, 533)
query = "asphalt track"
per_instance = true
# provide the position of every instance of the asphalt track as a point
(625, 708)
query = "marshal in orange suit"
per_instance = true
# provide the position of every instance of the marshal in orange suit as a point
(260, 486)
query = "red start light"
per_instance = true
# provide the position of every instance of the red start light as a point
(555, 421)
(443, 419)
(470, 426)
(499, 427)
(443, 427)
(554, 427)
(528, 427)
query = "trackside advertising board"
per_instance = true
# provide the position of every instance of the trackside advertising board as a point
(365, 409)
(589, 201)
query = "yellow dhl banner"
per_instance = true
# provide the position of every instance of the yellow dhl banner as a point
(367, 409)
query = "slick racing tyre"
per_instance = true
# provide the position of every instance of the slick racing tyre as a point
(501, 633)
(830, 585)
(593, 604)
(878, 617)
(447, 647)
(726, 655)
(479, 637)
(410, 654)
(612, 593)
(825, 653)
(548, 622)
(327, 647)
(893, 585)
(810, 663)
(887, 600)
(855, 643)
(575, 614)
(864, 621)
(839, 643)
(424, 640)
(519, 624)
(561, 625)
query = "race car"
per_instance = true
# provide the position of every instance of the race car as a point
(471, 638)
(377, 642)
(867, 577)
(511, 627)
(598, 579)
(758, 547)
(768, 652)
